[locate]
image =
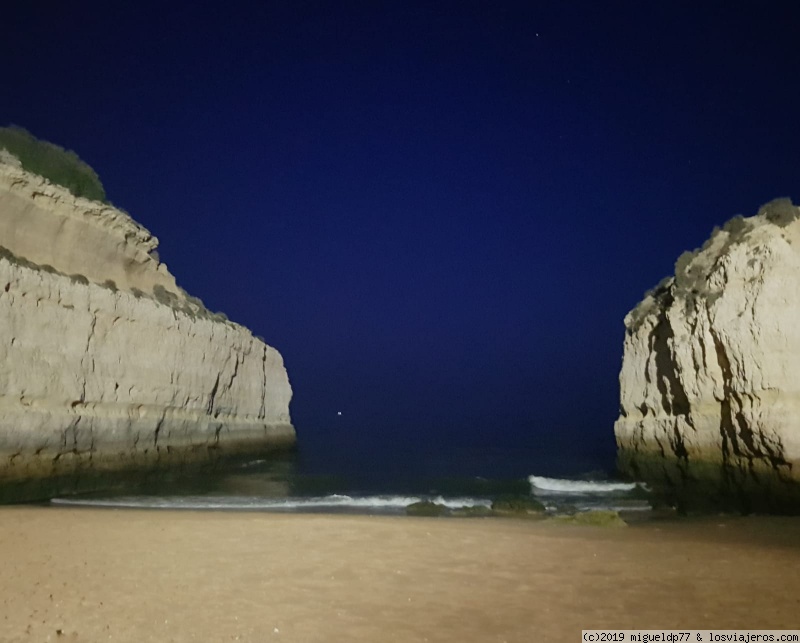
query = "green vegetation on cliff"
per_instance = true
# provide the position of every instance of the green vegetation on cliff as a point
(52, 162)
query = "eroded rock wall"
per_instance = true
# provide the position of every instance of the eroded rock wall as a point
(710, 381)
(106, 364)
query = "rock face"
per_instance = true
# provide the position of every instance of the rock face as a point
(107, 364)
(710, 380)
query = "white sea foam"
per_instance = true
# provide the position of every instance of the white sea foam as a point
(254, 503)
(563, 486)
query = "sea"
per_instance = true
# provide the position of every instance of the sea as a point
(383, 481)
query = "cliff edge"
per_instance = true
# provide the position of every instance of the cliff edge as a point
(107, 364)
(710, 379)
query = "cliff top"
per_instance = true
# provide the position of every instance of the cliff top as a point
(57, 165)
(694, 267)
(54, 216)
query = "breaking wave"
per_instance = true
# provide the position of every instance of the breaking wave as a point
(379, 503)
(563, 486)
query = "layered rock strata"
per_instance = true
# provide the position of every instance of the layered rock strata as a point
(50, 227)
(107, 364)
(710, 380)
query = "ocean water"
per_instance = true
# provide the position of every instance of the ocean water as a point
(374, 482)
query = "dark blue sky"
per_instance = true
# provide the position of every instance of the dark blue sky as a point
(438, 212)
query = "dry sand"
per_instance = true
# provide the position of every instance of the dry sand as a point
(122, 575)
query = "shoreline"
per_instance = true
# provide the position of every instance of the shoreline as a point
(139, 575)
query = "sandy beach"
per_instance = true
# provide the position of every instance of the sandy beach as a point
(122, 575)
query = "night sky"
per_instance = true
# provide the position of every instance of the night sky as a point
(439, 212)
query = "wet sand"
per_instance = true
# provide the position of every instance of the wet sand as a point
(120, 575)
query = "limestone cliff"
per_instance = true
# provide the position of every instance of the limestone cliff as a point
(710, 380)
(107, 364)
